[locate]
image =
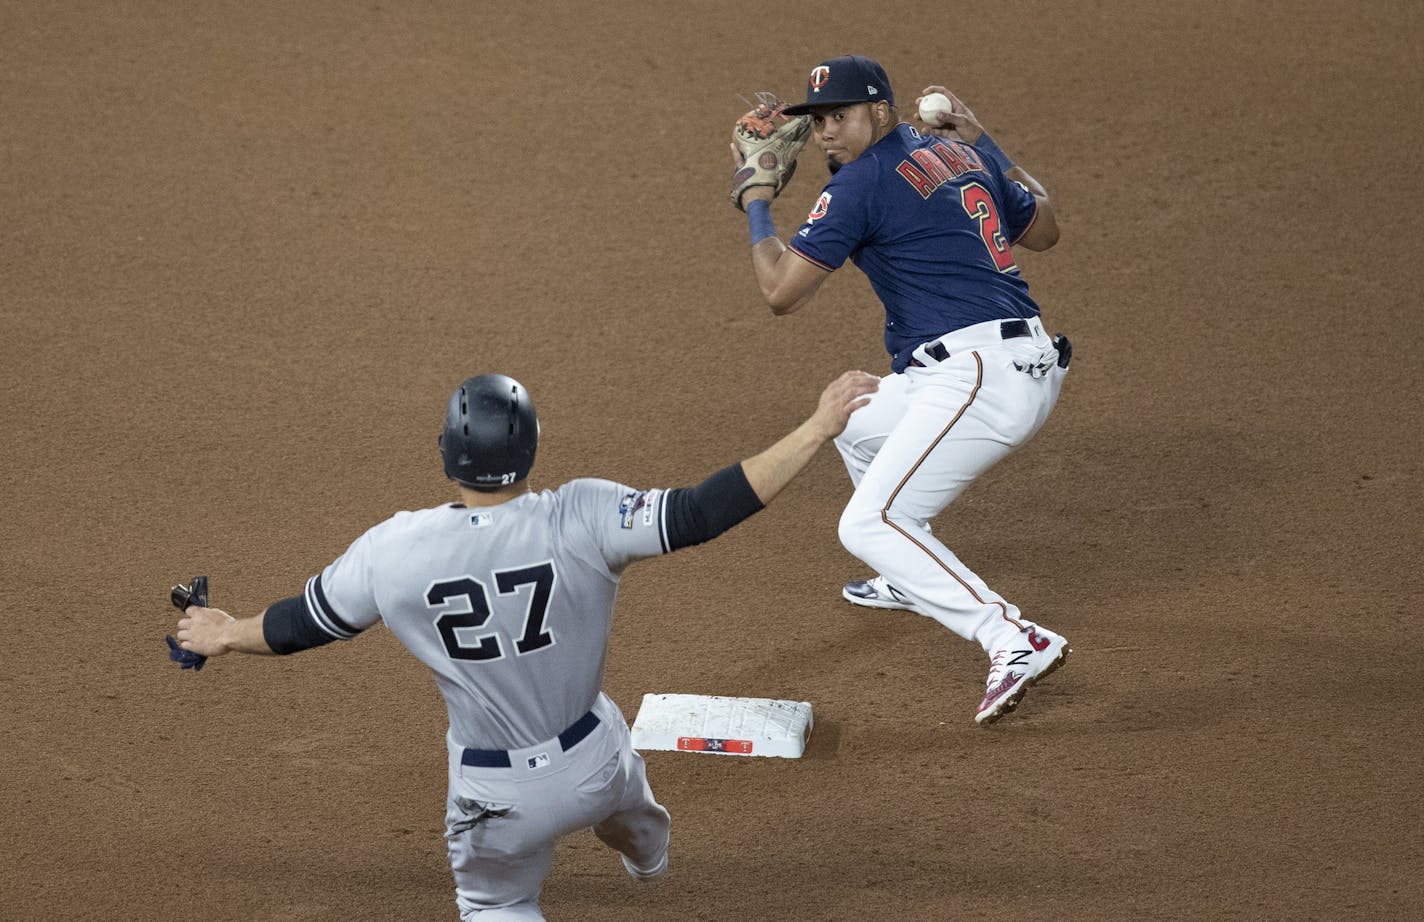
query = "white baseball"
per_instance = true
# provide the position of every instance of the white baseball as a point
(933, 108)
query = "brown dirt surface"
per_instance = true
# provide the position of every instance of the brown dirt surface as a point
(248, 248)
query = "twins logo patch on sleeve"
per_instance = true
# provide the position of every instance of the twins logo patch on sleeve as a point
(818, 211)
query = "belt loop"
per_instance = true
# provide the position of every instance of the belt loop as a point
(1013, 329)
(580, 729)
(930, 353)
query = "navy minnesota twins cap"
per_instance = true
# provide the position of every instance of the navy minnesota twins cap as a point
(844, 80)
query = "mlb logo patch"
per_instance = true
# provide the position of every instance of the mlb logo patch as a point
(539, 761)
(480, 519)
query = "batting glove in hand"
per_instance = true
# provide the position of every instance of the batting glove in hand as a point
(765, 144)
(183, 595)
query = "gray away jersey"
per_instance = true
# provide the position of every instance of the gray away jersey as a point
(510, 605)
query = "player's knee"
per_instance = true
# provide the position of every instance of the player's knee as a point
(651, 841)
(650, 829)
(857, 529)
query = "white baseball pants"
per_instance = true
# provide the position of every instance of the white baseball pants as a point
(923, 438)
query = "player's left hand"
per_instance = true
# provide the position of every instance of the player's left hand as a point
(765, 144)
(963, 126)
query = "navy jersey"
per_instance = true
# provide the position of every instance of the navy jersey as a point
(931, 223)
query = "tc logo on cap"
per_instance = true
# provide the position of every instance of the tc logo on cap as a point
(819, 76)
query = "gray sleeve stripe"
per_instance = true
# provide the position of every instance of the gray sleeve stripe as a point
(322, 614)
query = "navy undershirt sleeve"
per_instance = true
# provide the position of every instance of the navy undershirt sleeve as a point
(288, 627)
(701, 513)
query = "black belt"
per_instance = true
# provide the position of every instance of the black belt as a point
(1008, 329)
(499, 758)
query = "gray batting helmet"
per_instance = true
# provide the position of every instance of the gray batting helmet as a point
(491, 432)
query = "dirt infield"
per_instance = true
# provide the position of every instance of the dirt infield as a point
(248, 248)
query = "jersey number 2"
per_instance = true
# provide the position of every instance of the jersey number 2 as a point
(979, 205)
(466, 604)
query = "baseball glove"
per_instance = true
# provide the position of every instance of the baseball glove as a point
(183, 595)
(767, 143)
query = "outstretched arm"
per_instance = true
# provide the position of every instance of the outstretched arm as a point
(774, 468)
(283, 627)
(701, 513)
(213, 632)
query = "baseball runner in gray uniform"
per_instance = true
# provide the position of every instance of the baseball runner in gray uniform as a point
(508, 595)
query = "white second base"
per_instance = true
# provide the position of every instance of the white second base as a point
(723, 726)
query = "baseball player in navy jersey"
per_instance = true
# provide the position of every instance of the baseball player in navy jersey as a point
(931, 218)
(507, 595)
